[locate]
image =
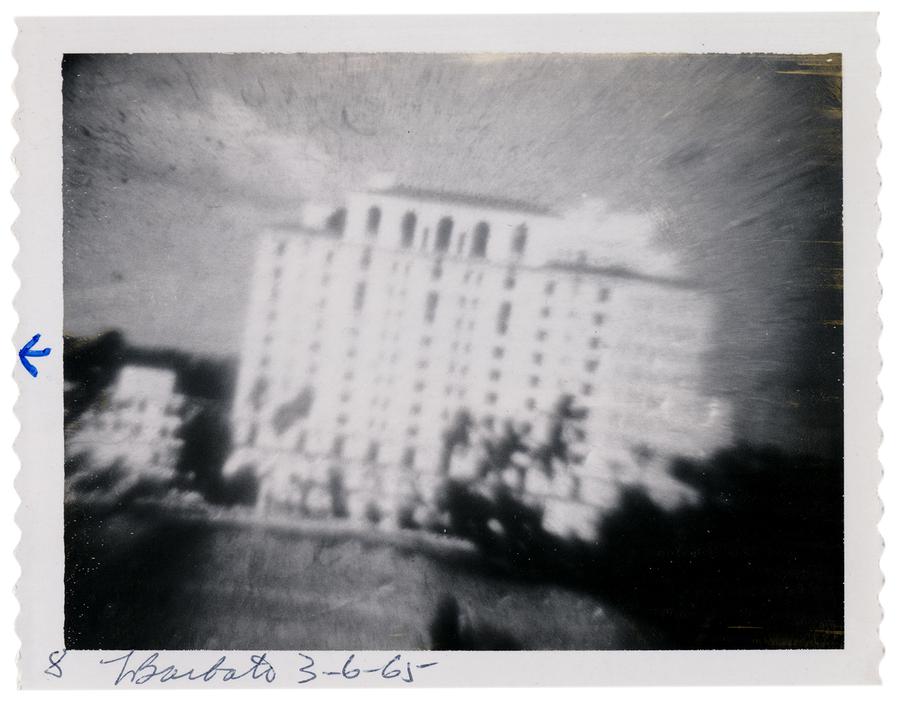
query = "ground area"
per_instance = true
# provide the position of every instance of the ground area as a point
(150, 578)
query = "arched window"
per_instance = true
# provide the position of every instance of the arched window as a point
(480, 241)
(336, 221)
(373, 221)
(520, 239)
(408, 229)
(444, 232)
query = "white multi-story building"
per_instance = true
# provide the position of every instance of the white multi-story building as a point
(135, 424)
(363, 340)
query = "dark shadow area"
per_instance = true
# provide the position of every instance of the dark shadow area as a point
(123, 577)
(756, 563)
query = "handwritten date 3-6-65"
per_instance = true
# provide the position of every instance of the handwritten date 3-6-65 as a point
(136, 669)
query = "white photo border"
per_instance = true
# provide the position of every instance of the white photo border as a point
(39, 49)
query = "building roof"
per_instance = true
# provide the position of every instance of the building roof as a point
(483, 200)
(620, 271)
(299, 227)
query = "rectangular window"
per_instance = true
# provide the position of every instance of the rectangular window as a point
(337, 447)
(431, 304)
(372, 452)
(359, 297)
(520, 238)
(409, 457)
(503, 318)
(591, 366)
(480, 243)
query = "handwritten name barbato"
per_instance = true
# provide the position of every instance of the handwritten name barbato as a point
(135, 668)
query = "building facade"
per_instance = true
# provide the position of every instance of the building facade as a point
(135, 424)
(366, 335)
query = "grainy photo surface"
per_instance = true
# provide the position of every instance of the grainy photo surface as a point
(453, 351)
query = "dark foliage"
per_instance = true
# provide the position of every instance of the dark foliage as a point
(206, 443)
(92, 364)
(500, 524)
(757, 563)
(240, 489)
(89, 366)
(201, 377)
(293, 410)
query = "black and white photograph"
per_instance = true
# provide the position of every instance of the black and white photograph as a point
(453, 351)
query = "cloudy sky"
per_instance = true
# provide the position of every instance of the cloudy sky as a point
(174, 162)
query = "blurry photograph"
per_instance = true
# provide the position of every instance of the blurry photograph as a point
(453, 351)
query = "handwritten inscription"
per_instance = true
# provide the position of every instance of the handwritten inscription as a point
(140, 669)
(393, 669)
(135, 673)
(54, 670)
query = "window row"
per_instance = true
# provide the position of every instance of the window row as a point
(443, 235)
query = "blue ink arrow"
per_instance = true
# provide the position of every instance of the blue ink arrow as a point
(27, 352)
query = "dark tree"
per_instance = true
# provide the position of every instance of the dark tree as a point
(504, 451)
(555, 449)
(206, 443)
(90, 366)
(457, 435)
